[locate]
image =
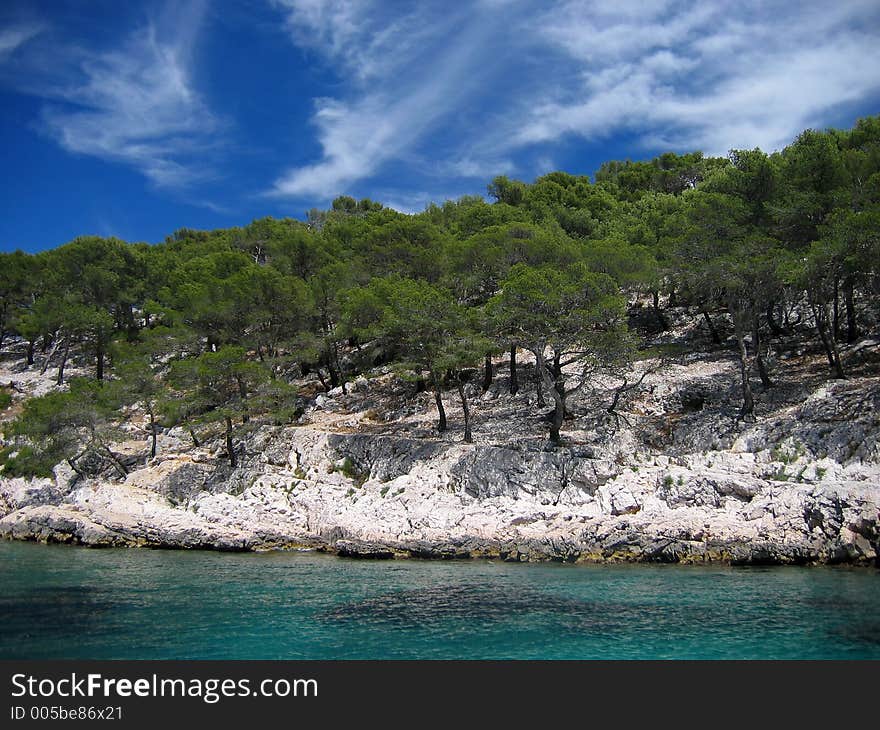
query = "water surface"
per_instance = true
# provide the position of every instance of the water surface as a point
(79, 603)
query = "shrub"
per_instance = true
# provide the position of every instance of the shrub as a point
(25, 461)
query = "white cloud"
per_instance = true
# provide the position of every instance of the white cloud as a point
(137, 105)
(361, 37)
(477, 166)
(13, 38)
(329, 26)
(705, 75)
(407, 76)
(455, 91)
(411, 203)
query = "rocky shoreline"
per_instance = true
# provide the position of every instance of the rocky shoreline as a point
(379, 497)
(676, 477)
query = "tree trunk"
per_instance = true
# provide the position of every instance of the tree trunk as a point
(71, 462)
(556, 386)
(230, 451)
(661, 320)
(514, 383)
(488, 372)
(713, 333)
(60, 379)
(818, 318)
(334, 376)
(153, 435)
(759, 358)
(539, 390)
(441, 411)
(558, 415)
(30, 352)
(835, 321)
(321, 379)
(771, 319)
(118, 464)
(762, 371)
(49, 357)
(852, 329)
(618, 392)
(838, 365)
(748, 407)
(468, 438)
(337, 369)
(829, 342)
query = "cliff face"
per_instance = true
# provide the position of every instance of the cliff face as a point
(674, 478)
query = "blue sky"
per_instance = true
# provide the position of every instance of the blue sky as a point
(133, 119)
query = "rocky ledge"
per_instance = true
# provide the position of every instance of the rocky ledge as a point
(675, 477)
(382, 497)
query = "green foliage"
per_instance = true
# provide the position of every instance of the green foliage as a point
(350, 471)
(64, 425)
(28, 462)
(216, 385)
(210, 326)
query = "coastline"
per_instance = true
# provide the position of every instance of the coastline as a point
(301, 490)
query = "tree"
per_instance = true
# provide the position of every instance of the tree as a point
(655, 223)
(202, 294)
(19, 285)
(725, 261)
(64, 426)
(575, 315)
(328, 290)
(99, 279)
(428, 330)
(139, 381)
(479, 264)
(218, 386)
(463, 348)
(506, 191)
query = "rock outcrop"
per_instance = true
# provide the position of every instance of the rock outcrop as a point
(801, 485)
(392, 498)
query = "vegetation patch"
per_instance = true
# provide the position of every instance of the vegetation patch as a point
(217, 330)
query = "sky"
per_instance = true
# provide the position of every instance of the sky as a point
(134, 119)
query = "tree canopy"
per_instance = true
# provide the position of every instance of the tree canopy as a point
(213, 326)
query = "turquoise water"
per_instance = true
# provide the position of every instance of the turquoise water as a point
(66, 602)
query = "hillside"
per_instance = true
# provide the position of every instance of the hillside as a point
(677, 360)
(674, 476)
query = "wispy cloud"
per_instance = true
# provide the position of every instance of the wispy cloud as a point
(13, 38)
(361, 36)
(705, 75)
(136, 104)
(499, 86)
(405, 75)
(476, 166)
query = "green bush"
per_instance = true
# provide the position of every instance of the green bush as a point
(25, 461)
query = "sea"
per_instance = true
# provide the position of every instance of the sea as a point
(65, 602)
